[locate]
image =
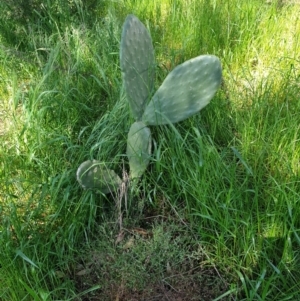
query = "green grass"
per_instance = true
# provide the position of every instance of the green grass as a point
(221, 195)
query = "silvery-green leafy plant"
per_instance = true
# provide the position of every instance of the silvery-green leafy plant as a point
(187, 89)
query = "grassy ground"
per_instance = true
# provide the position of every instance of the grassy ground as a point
(216, 216)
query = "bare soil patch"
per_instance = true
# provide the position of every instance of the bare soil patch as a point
(161, 263)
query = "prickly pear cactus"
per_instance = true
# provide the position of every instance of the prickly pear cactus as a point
(185, 91)
(138, 148)
(95, 175)
(137, 64)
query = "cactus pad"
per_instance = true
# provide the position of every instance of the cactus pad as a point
(138, 148)
(95, 175)
(186, 90)
(137, 64)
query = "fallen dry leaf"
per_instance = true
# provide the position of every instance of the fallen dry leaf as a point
(83, 272)
(129, 244)
(120, 237)
(140, 231)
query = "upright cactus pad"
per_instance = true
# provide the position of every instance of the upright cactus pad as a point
(137, 64)
(138, 148)
(185, 91)
(95, 175)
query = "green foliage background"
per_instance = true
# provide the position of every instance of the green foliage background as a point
(229, 174)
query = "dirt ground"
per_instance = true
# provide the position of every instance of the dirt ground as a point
(200, 285)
